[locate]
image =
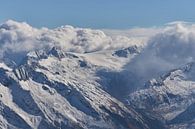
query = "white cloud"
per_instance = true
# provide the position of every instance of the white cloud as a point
(167, 47)
(135, 32)
(170, 49)
(20, 38)
(135, 36)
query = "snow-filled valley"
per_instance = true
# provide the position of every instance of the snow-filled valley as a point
(74, 78)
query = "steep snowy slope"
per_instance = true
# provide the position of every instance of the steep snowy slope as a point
(56, 89)
(171, 95)
(52, 79)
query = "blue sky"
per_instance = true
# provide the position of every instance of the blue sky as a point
(110, 14)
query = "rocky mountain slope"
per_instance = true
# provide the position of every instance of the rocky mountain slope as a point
(57, 89)
(171, 96)
(74, 78)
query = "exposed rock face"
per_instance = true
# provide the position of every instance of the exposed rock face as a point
(127, 51)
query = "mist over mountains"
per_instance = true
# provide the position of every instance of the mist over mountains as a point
(72, 78)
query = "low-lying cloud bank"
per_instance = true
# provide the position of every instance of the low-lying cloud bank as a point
(18, 37)
(168, 47)
(167, 50)
(175, 45)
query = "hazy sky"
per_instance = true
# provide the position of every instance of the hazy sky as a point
(112, 14)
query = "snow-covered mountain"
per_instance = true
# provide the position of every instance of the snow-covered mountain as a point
(171, 96)
(53, 89)
(74, 78)
(49, 86)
